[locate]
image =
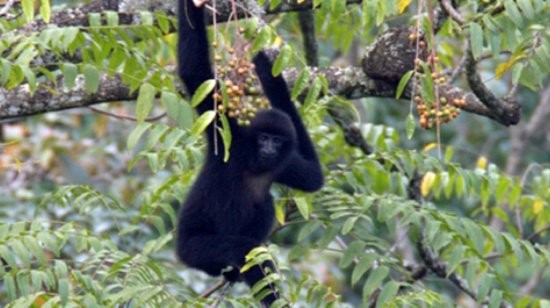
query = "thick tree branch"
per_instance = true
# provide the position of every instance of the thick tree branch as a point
(127, 10)
(20, 102)
(505, 110)
(349, 82)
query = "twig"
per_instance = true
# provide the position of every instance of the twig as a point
(126, 117)
(439, 268)
(533, 282)
(7, 7)
(450, 10)
(223, 294)
(214, 288)
(538, 232)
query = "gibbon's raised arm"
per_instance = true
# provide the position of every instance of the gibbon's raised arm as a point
(304, 169)
(193, 51)
(194, 66)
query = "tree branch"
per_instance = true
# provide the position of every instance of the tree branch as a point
(127, 10)
(307, 25)
(505, 110)
(349, 82)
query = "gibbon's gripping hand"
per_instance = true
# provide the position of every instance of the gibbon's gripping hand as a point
(200, 3)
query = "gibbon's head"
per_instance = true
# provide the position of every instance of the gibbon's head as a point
(272, 140)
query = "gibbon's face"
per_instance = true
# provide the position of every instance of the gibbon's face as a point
(271, 151)
(272, 140)
(269, 145)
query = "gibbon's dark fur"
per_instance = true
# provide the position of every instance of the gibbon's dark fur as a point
(229, 210)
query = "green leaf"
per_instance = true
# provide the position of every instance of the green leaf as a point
(354, 249)
(227, 138)
(282, 61)
(38, 252)
(9, 285)
(177, 109)
(375, 280)
(202, 122)
(94, 19)
(497, 240)
(91, 78)
(362, 267)
(472, 268)
(301, 83)
(456, 258)
(495, 41)
(387, 293)
(5, 72)
(45, 10)
(146, 18)
(21, 252)
(327, 237)
(204, 89)
(410, 126)
(449, 152)
(380, 12)
(26, 56)
(262, 39)
(485, 285)
(60, 268)
(432, 228)
(496, 297)
(476, 39)
(163, 22)
(63, 289)
(303, 206)
(145, 101)
(112, 18)
(23, 282)
(28, 9)
(427, 83)
(118, 56)
(314, 92)
(513, 13)
(31, 78)
(474, 234)
(274, 4)
(348, 225)
(403, 83)
(69, 35)
(136, 134)
(309, 228)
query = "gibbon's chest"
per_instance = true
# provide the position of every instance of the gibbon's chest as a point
(256, 186)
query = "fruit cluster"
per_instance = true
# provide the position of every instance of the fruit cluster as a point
(443, 110)
(240, 83)
(432, 114)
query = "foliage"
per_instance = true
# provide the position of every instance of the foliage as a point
(74, 242)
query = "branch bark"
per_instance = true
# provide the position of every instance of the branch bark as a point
(349, 82)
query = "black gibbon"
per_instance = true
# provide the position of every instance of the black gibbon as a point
(229, 210)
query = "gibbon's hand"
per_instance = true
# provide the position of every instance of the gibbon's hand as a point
(200, 3)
